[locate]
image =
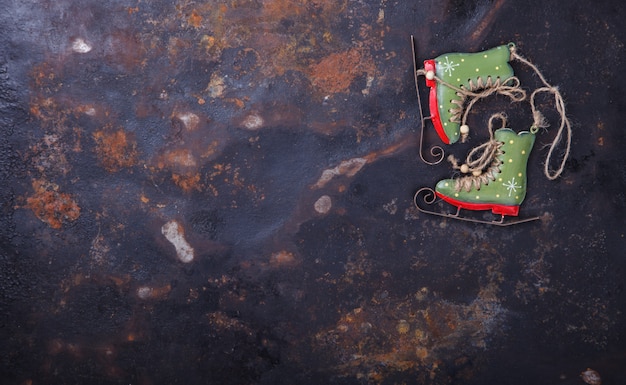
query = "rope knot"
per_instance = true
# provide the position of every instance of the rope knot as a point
(482, 162)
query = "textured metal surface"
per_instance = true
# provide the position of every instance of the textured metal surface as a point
(221, 192)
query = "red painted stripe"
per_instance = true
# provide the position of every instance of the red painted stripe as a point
(494, 207)
(433, 103)
(429, 65)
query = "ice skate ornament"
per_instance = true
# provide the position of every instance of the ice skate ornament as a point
(496, 170)
(456, 82)
(496, 176)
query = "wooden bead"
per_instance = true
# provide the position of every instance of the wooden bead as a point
(430, 75)
(476, 172)
(591, 377)
(464, 168)
(464, 129)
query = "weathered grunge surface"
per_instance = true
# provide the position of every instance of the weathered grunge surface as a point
(220, 192)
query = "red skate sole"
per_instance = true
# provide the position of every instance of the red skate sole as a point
(433, 103)
(494, 207)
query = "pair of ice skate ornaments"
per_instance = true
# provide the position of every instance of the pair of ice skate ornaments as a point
(493, 176)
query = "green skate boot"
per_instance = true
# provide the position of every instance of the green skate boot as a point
(455, 78)
(501, 185)
(496, 177)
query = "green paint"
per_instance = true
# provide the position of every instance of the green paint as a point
(457, 69)
(509, 186)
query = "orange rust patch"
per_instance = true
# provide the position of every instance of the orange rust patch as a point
(48, 156)
(87, 109)
(183, 165)
(115, 150)
(212, 19)
(176, 46)
(326, 11)
(221, 322)
(179, 157)
(366, 337)
(256, 27)
(282, 258)
(195, 19)
(187, 182)
(47, 110)
(283, 8)
(442, 320)
(46, 76)
(336, 71)
(211, 149)
(148, 292)
(51, 206)
(124, 48)
(237, 102)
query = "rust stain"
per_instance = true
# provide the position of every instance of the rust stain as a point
(51, 206)
(176, 47)
(57, 346)
(184, 168)
(48, 111)
(283, 259)
(187, 182)
(115, 149)
(284, 8)
(400, 145)
(45, 77)
(368, 344)
(335, 72)
(411, 333)
(81, 278)
(179, 157)
(294, 50)
(484, 24)
(600, 129)
(260, 27)
(240, 104)
(210, 150)
(218, 31)
(99, 250)
(221, 322)
(195, 19)
(154, 292)
(124, 49)
(276, 10)
(441, 319)
(56, 112)
(272, 36)
(48, 156)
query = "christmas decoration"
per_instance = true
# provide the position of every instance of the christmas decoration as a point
(494, 173)
(496, 178)
(457, 81)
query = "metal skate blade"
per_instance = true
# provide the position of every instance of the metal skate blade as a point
(427, 196)
(436, 152)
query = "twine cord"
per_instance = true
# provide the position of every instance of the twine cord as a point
(486, 155)
(479, 90)
(482, 162)
(512, 90)
(565, 126)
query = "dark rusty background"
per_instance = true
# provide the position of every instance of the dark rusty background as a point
(281, 137)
